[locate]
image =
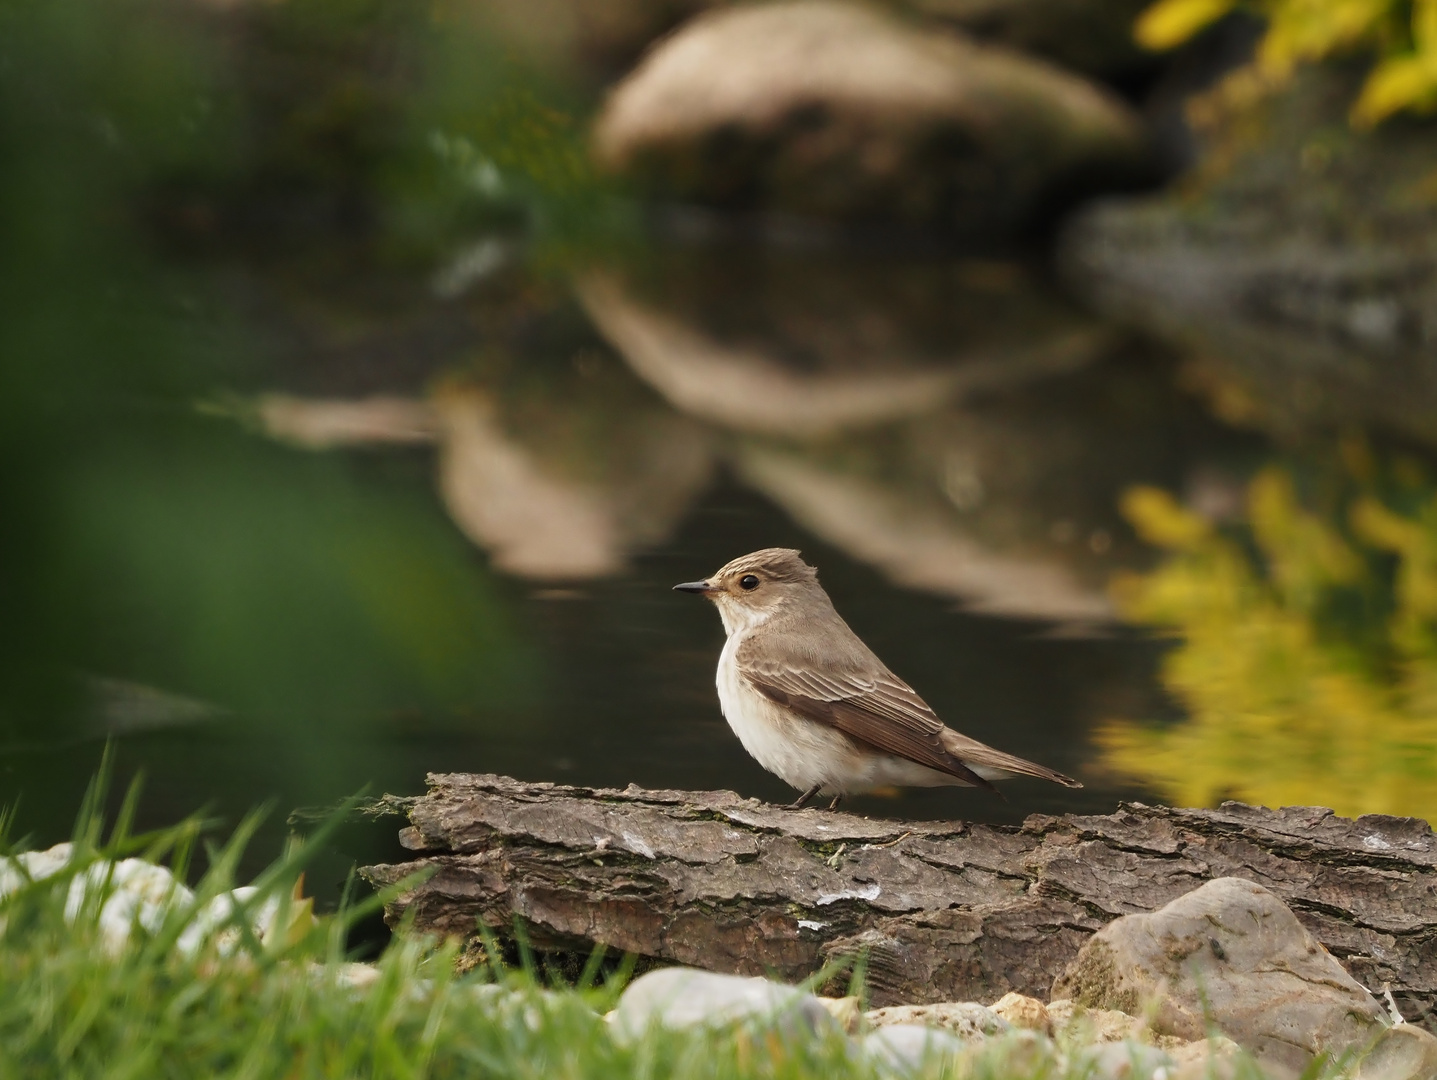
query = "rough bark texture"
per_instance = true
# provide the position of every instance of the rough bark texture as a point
(945, 910)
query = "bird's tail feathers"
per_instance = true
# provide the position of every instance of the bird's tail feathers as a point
(995, 765)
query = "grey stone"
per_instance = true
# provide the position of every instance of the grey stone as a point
(1229, 953)
(833, 110)
(686, 997)
(905, 1049)
(1403, 1052)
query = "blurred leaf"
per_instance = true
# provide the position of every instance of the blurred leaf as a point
(1397, 83)
(1403, 77)
(1169, 23)
(1161, 520)
(1307, 662)
(1424, 26)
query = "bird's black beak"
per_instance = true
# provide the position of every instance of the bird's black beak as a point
(694, 587)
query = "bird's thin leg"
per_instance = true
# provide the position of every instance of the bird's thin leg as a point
(836, 800)
(802, 801)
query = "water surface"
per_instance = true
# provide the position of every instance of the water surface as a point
(329, 460)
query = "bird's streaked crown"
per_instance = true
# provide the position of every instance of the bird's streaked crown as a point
(777, 564)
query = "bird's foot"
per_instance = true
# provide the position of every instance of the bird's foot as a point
(836, 800)
(802, 801)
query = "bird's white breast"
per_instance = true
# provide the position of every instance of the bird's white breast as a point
(797, 751)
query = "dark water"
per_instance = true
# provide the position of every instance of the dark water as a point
(250, 619)
(307, 492)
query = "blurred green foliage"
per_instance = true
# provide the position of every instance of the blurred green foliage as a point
(314, 605)
(1306, 652)
(1402, 34)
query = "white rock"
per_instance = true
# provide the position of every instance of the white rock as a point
(129, 893)
(216, 922)
(32, 866)
(905, 1049)
(1081, 1025)
(132, 892)
(1126, 1060)
(686, 997)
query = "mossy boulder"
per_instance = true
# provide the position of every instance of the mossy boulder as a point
(1298, 263)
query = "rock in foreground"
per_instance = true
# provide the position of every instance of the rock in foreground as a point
(834, 110)
(684, 997)
(1231, 952)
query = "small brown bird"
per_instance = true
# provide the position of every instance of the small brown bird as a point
(813, 704)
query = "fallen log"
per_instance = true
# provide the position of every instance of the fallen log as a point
(943, 910)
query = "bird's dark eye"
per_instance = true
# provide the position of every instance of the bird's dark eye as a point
(748, 581)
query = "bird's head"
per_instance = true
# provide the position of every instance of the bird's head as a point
(751, 588)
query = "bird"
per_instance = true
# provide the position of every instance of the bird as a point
(816, 707)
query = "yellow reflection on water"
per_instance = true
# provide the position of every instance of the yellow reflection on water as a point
(1307, 655)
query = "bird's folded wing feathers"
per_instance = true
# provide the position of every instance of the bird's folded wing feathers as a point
(884, 712)
(881, 711)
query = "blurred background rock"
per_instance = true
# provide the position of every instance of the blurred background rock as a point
(372, 370)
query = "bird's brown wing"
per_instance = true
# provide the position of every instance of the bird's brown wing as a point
(881, 711)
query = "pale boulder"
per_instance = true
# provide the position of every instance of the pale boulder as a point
(831, 109)
(908, 1049)
(1081, 1025)
(1024, 1012)
(965, 1019)
(1232, 955)
(679, 998)
(1124, 1060)
(1403, 1052)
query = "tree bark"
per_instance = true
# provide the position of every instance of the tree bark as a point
(944, 911)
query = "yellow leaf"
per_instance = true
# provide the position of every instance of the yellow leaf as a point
(1424, 27)
(1160, 520)
(1171, 22)
(1383, 529)
(1395, 84)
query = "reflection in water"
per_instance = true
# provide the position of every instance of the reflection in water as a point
(985, 438)
(358, 227)
(321, 425)
(920, 546)
(567, 492)
(933, 417)
(801, 347)
(1307, 659)
(531, 524)
(571, 496)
